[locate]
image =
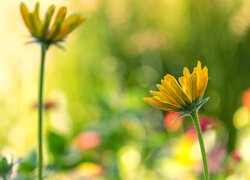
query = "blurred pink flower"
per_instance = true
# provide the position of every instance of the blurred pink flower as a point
(47, 105)
(214, 160)
(207, 123)
(87, 140)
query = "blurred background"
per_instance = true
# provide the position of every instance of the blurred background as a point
(96, 125)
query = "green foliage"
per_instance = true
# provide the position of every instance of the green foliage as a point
(62, 157)
(27, 167)
(56, 143)
(5, 167)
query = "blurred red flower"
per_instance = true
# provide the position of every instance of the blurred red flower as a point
(87, 140)
(190, 135)
(169, 117)
(246, 98)
(236, 156)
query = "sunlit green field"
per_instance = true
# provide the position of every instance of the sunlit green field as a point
(96, 125)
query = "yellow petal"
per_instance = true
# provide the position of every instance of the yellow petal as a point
(203, 81)
(198, 68)
(179, 91)
(158, 104)
(164, 97)
(168, 78)
(25, 15)
(167, 105)
(46, 21)
(69, 25)
(61, 13)
(183, 82)
(176, 87)
(186, 73)
(192, 84)
(36, 20)
(60, 16)
(33, 27)
(167, 87)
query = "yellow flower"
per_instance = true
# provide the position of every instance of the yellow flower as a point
(48, 34)
(184, 97)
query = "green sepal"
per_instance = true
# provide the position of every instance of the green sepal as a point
(180, 116)
(202, 102)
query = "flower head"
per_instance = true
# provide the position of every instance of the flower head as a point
(43, 31)
(184, 97)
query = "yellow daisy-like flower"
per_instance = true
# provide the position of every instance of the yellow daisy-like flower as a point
(48, 34)
(184, 97)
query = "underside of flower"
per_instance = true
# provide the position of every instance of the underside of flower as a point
(43, 31)
(185, 96)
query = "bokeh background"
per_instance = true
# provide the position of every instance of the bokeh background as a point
(96, 124)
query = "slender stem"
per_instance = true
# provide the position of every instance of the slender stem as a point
(202, 147)
(40, 115)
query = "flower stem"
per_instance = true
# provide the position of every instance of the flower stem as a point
(201, 142)
(40, 115)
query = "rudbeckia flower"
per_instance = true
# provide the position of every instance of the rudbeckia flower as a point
(184, 97)
(45, 32)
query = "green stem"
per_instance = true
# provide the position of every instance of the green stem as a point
(40, 115)
(202, 147)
